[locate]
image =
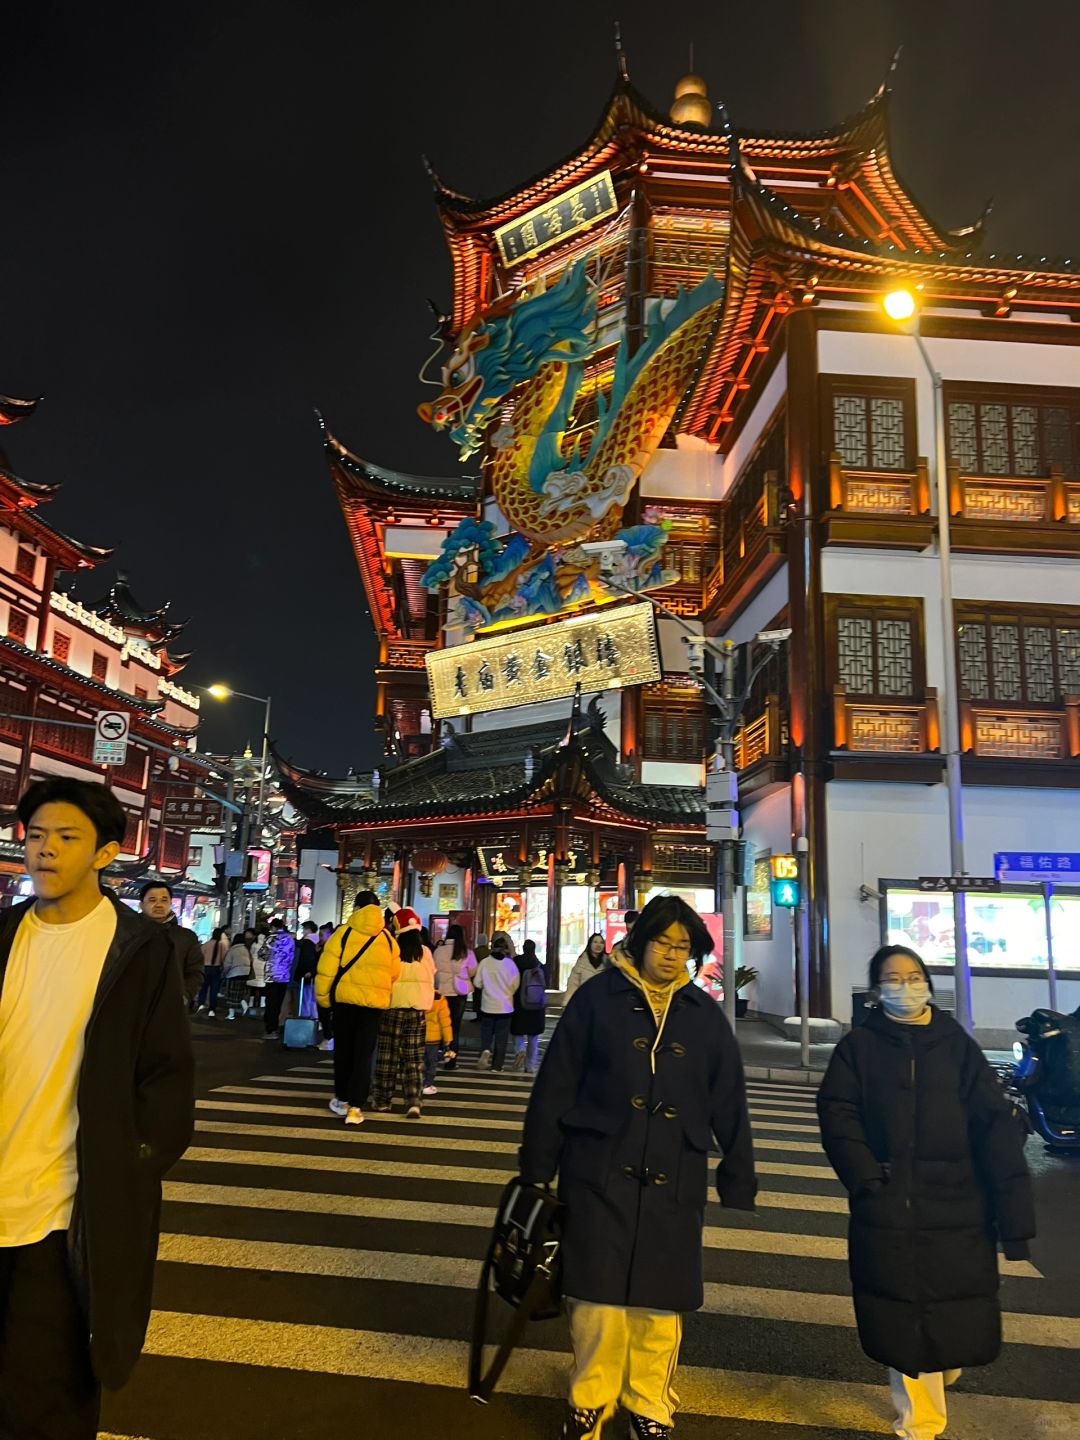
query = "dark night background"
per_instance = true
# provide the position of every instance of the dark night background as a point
(215, 217)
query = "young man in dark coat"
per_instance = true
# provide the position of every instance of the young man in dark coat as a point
(922, 1138)
(96, 1103)
(641, 1076)
(155, 901)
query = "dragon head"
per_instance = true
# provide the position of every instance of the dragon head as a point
(505, 345)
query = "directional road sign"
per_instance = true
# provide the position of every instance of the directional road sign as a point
(111, 730)
(1035, 866)
(958, 882)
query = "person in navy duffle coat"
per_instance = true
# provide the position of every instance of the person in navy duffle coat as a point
(641, 1077)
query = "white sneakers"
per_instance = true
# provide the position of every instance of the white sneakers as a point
(431, 1089)
(413, 1112)
(484, 1063)
(339, 1107)
(326, 1044)
(354, 1117)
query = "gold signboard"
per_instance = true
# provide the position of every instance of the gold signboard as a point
(539, 229)
(604, 650)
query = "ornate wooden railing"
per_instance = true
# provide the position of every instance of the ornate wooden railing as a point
(885, 728)
(763, 738)
(1035, 501)
(401, 654)
(998, 732)
(750, 523)
(879, 492)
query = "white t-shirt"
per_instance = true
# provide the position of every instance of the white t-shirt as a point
(52, 978)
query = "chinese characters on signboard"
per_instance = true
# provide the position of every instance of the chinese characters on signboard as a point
(502, 864)
(183, 810)
(600, 651)
(1038, 865)
(545, 226)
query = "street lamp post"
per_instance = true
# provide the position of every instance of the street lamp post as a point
(901, 306)
(225, 692)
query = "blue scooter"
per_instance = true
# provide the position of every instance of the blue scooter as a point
(1043, 1080)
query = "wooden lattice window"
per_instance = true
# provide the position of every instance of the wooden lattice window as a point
(25, 563)
(18, 620)
(1018, 657)
(61, 646)
(1012, 431)
(877, 649)
(673, 732)
(100, 667)
(870, 423)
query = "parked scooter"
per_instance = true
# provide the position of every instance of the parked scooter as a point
(1045, 1079)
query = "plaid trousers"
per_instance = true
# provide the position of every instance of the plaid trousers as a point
(400, 1053)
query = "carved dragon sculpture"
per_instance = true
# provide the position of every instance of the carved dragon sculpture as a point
(537, 345)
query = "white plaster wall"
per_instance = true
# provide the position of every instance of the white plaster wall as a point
(671, 772)
(761, 611)
(890, 831)
(767, 826)
(546, 711)
(683, 474)
(750, 434)
(671, 635)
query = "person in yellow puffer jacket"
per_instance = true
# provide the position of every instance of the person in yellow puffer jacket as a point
(357, 970)
(438, 1039)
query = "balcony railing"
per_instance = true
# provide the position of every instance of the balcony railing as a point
(1036, 501)
(998, 732)
(401, 654)
(879, 492)
(763, 738)
(885, 728)
(748, 531)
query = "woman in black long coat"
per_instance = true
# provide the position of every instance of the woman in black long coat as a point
(641, 1075)
(918, 1131)
(527, 1024)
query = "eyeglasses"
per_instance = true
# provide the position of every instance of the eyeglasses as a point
(900, 980)
(665, 947)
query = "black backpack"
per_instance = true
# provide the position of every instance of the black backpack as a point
(533, 989)
(524, 1264)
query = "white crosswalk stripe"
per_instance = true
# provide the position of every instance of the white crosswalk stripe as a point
(271, 1169)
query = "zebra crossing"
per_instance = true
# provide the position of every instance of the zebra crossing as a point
(312, 1278)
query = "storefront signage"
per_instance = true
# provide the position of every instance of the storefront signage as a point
(539, 229)
(1035, 866)
(603, 650)
(199, 814)
(503, 864)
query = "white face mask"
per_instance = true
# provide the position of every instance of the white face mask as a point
(904, 1000)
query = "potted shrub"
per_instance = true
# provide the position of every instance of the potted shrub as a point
(744, 975)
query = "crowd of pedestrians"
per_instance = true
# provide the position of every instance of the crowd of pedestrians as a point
(641, 1081)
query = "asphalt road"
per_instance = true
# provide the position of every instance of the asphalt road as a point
(317, 1283)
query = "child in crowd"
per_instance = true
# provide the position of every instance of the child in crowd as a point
(438, 1037)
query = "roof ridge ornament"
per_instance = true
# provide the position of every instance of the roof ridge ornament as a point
(886, 86)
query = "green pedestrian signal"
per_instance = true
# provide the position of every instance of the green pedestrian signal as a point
(786, 893)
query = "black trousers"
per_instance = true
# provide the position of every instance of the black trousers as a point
(356, 1033)
(326, 1022)
(275, 994)
(457, 1005)
(47, 1385)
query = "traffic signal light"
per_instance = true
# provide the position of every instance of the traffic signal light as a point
(784, 884)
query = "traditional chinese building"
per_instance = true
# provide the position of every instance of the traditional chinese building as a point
(680, 403)
(62, 661)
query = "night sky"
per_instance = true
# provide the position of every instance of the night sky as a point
(215, 218)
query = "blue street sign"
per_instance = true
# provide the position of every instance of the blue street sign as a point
(1060, 867)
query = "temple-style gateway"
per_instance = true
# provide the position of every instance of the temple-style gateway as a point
(682, 409)
(62, 661)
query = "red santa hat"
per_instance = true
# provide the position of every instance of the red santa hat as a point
(406, 919)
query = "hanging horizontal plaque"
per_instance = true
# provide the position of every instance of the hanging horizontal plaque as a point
(604, 650)
(539, 229)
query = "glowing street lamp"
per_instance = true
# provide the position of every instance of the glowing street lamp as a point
(901, 305)
(219, 692)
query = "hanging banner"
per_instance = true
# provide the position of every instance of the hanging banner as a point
(604, 650)
(539, 229)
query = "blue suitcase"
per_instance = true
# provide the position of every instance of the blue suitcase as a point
(300, 1033)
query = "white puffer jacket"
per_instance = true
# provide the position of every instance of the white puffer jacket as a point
(414, 989)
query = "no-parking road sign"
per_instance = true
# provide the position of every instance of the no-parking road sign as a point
(111, 729)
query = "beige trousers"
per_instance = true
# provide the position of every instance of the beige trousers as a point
(624, 1357)
(920, 1403)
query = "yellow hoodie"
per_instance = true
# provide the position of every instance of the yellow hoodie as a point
(370, 981)
(657, 997)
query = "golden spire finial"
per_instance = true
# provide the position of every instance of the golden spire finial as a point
(692, 107)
